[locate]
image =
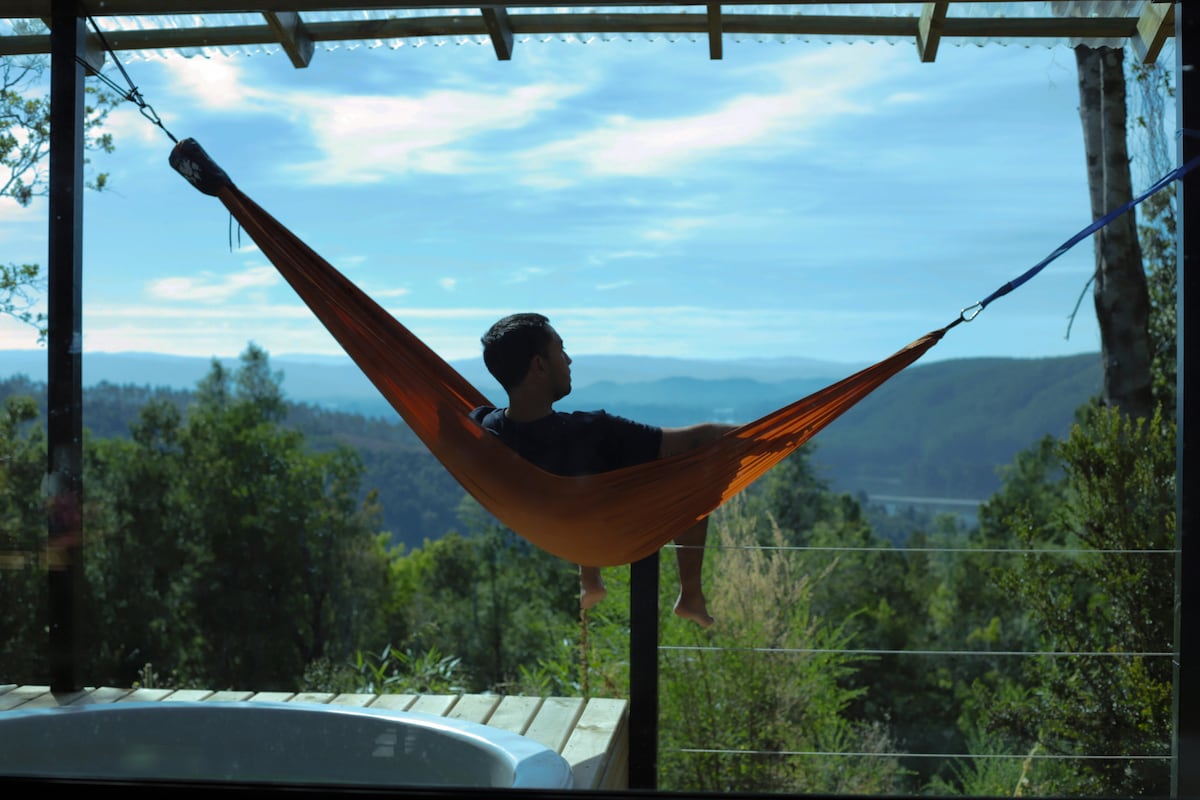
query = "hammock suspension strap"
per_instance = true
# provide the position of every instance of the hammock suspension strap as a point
(974, 310)
(133, 95)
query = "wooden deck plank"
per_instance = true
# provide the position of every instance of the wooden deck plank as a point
(272, 697)
(477, 708)
(598, 749)
(21, 695)
(357, 700)
(554, 721)
(228, 697)
(437, 704)
(103, 694)
(53, 700)
(145, 696)
(322, 698)
(187, 696)
(515, 713)
(394, 702)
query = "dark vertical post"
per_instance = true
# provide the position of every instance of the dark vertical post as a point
(64, 424)
(1185, 776)
(643, 674)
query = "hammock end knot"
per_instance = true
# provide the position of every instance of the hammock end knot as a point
(189, 160)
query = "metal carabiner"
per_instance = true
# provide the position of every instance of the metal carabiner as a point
(970, 312)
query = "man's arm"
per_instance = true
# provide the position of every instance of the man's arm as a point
(680, 440)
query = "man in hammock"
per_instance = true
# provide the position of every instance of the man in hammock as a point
(526, 356)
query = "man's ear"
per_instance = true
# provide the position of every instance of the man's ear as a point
(537, 365)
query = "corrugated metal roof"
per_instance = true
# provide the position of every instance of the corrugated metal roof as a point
(332, 25)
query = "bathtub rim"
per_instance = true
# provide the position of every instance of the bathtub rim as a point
(533, 764)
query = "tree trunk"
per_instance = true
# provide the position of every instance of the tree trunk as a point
(1122, 300)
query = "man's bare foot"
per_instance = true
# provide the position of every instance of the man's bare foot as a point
(694, 609)
(591, 587)
(590, 595)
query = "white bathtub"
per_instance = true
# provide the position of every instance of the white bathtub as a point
(271, 742)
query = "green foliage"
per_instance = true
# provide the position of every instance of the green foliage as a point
(1151, 135)
(767, 681)
(590, 657)
(1114, 598)
(1003, 776)
(1109, 485)
(796, 498)
(389, 671)
(417, 497)
(19, 286)
(883, 599)
(490, 598)
(604, 637)
(25, 127)
(24, 148)
(23, 594)
(224, 552)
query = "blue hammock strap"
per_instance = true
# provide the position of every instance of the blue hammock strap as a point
(970, 312)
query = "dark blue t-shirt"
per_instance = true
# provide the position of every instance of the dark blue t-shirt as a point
(576, 443)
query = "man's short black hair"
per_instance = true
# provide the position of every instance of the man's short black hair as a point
(511, 344)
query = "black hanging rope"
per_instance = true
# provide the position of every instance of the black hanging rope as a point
(131, 94)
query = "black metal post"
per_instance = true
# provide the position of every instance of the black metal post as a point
(64, 423)
(1185, 777)
(643, 674)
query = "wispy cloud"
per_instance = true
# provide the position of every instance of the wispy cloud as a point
(128, 127)
(905, 98)
(364, 138)
(379, 294)
(625, 145)
(671, 230)
(217, 84)
(608, 287)
(207, 288)
(526, 274)
(13, 215)
(600, 259)
(371, 138)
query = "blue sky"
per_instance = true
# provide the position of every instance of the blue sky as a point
(829, 201)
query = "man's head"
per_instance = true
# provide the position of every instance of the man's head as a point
(511, 346)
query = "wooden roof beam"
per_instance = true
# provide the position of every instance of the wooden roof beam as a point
(716, 49)
(929, 29)
(500, 29)
(542, 25)
(1154, 27)
(93, 51)
(292, 35)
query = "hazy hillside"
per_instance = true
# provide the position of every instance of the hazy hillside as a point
(334, 382)
(940, 429)
(943, 429)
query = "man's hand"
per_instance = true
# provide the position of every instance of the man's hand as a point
(680, 440)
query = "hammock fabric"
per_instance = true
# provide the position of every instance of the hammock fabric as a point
(599, 520)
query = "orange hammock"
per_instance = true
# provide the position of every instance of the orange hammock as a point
(600, 520)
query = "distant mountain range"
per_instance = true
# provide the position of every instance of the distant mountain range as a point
(335, 383)
(939, 430)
